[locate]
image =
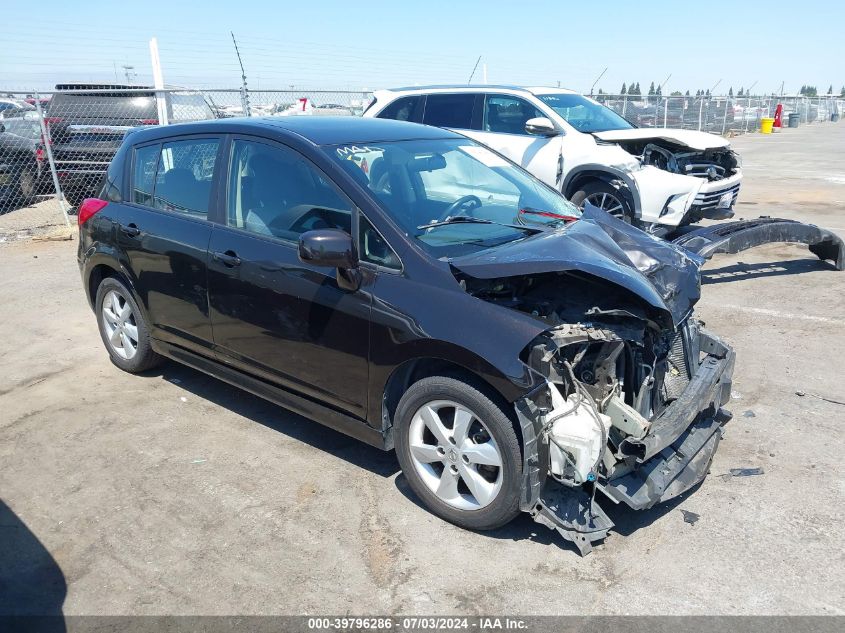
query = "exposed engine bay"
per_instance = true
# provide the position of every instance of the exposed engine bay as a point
(613, 374)
(713, 164)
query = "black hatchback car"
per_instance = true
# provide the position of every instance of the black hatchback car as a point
(413, 289)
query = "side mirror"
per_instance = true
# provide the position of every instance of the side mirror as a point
(541, 126)
(332, 248)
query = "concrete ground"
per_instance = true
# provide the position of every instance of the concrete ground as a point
(173, 493)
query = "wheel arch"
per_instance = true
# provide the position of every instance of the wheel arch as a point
(579, 176)
(415, 369)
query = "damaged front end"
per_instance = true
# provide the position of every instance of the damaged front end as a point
(631, 403)
(628, 410)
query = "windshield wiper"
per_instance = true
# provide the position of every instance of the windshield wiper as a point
(466, 219)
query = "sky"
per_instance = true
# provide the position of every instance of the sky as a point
(375, 44)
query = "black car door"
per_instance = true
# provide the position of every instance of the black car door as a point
(272, 315)
(163, 232)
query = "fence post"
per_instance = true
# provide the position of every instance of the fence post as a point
(60, 196)
(158, 82)
(725, 116)
(700, 111)
(665, 112)
(624, 105)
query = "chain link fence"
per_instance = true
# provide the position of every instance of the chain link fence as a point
(724, 115)
(55, 147)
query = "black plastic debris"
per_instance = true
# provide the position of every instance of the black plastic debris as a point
(749, 414)
(690, 517)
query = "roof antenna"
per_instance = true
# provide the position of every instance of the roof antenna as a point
(474, 68)
(244, 90)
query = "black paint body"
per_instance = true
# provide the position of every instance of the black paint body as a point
(291, 332)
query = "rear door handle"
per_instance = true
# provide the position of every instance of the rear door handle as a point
(228, 258)
(131, 230)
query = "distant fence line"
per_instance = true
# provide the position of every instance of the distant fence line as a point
(41, 181)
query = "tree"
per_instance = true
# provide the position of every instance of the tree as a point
(659, 91)
(639, 91)
(687, 93)
(651, 90)
(678, 93)
(624, 90)
(830, 90)
(741, 92)
(601, 92)
(707, 92)
(731, 91)
(842, 92)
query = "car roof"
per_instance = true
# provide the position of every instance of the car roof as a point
(483, 88)
(319, 130)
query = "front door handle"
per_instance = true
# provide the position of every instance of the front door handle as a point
(130, 229)
(227, 258)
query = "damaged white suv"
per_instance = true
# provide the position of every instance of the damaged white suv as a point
(657, 178)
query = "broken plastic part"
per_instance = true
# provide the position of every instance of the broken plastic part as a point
(734, 237)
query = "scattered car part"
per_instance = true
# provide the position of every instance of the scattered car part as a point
(742, 235)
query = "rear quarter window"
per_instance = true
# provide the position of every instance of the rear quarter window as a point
(404, 109)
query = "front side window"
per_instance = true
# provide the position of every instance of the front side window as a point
(184, 176)
(274, 191)
(584, 114)
(404, 109)
(449, 110)
(508, 115)
(453, 195)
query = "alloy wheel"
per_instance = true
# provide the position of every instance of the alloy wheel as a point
(607, 202)
(455, 455)
(120, 326)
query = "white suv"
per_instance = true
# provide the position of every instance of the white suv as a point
(658, 178)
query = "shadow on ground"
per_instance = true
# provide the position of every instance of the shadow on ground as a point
(278, 419)
(524, 528)
(31, 582)
(742, 270)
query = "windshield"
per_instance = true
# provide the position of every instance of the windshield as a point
(431, 187)
(584, 114)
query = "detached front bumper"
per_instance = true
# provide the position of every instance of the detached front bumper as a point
(671, 458)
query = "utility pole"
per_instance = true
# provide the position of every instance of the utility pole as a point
(244, 89)
(597, 80)
(469, 81)
(129, 73)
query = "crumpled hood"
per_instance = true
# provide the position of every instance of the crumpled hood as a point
(665, 276)
(688, 138)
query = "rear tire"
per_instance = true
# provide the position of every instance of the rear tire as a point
(123, 327)
(606, 197)
(459, 452)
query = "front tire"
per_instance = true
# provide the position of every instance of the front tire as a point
(459, 452)
(606, 197)
(123, 328)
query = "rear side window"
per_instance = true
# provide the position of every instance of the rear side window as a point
(175, 176)
(405, 109)
(449, 110)
(184, 175)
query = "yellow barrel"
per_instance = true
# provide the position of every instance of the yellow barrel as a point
(766, 125)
